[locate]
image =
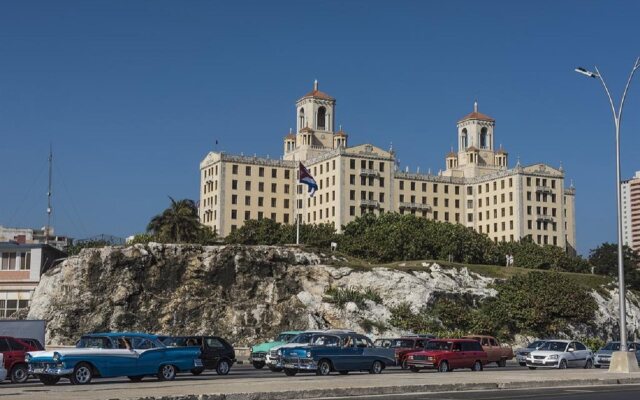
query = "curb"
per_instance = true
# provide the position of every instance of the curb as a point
(378, 390)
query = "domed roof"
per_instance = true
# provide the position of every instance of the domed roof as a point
(341, 133)
(290, 136)
(476, 115)
(501, 151)
(317, 94)
(452, 155)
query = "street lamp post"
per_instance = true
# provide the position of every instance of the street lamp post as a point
(617, 119)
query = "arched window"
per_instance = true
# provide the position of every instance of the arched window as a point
(301, 118)
(483, 139)
(322, 116)
(463, 139)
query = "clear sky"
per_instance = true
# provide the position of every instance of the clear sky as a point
(133, 94)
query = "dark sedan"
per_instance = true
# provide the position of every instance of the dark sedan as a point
(216, 352)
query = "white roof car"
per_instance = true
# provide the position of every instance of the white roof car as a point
(560, 354)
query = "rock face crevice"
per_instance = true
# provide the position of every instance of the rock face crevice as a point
(243, 293)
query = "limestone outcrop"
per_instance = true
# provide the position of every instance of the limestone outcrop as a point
(244, 293)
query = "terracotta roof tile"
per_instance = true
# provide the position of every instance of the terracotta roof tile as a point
(290, 136)
(341, 133)
(502, 151)
(477, 115)
(316, 94)
(452, 154)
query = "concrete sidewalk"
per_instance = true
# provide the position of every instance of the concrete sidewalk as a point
(280, 387)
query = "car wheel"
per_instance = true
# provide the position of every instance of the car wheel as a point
(274, 369)
(81, 374)
(589, 364)
(258, 364)
(136, 378)
(376, 367)
(167, 372)
(443, 367)
(49, 379)
(19, 373)
(290, 372)
(223, 367)
(533, 367)
(502, 363)
(343, 372)
(523, 364)
(197, 371)
(477, 366)
(563, 364)
(414, 369)
(324, 368)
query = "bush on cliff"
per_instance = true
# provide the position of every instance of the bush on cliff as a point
(268, 232)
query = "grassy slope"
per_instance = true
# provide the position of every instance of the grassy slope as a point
(491, 271)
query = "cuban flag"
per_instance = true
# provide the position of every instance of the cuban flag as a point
(305, 177)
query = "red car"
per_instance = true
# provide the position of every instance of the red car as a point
(448, 354)
(406, 345)
(14, 351)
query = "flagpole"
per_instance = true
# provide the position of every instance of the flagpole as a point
(296, 208)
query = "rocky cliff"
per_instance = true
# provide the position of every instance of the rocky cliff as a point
(244, 293)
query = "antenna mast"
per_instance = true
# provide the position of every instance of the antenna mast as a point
(48, 227)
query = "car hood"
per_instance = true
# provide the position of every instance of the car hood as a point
(289, 346)
(429, 352)
(604, 352)
(266, 346)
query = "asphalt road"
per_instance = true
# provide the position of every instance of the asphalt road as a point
(626, 392)
(242, 372)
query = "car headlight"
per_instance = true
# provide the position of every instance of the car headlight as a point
(27, 357)
(56, 356)
(553, 357)
(279, 352)
(429, 358)
(308, 354)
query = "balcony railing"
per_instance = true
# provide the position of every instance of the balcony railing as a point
(369, 172)
(369, 203)
(415, 206)
(544, 189)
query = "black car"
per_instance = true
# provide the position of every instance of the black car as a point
(35, 343)
(216, 353)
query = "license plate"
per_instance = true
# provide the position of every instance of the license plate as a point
(38, 370)
(537, 361)
(258, 358)
(289, 366)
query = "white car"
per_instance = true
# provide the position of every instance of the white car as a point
(3, 371)
(560, 354)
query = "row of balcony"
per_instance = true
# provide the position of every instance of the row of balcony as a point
(369, 172)
(544, 189)
(545, 218)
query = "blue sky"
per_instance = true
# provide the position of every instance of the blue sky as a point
(133, 94)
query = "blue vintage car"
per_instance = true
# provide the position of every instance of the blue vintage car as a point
(108, 355)
(342, 352)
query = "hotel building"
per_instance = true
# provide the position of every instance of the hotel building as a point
(477, 188)
(631, 212)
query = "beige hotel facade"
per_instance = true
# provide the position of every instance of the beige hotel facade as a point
(477, 188)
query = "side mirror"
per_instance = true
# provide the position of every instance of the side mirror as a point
(571, 349)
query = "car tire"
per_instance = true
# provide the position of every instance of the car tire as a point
(324, 368)
(166, 372)
(197, 371)
(563, 364)
(19, 373)
(223, 367)
(135, 378)
(82, 374)
(523, 364)
(502, 363)
(477, 366)
(49, 380)
(414, 369)
(258, 364)
(290, 372)
(443, 366)
(343, 372)
(588, 364)
(533, 368)
(376, 367)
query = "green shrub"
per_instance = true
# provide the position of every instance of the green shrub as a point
(340, 297)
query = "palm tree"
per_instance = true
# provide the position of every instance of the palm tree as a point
(179, 223)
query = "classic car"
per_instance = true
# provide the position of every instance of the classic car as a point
(448, 354)
(603, 356)
(336, 351)
(215, 352)
(560, 354)
(34, 343)
(14, 351)
(259, 352)
(273, 358)
(404, 345)
(496, 353)
(522, 353)
(107, 355)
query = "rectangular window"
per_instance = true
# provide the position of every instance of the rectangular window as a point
(234, 169)
(260, 201)
(247, 185)
(247, 215)
(424, 187)
(248, 171)
(234, 184)
(435, 188)
(261, 186)
(469, 190)
(413, 186)
(261, 214)
(286, 203)
(234, 199)
(401, 185)
(352, 209)
(352, 165)
(286, 218)
(261, 171)
(352, 195)
(25, 261)
(381, 182)
(234, 214)
(247, 200)
(273, 202)
(287, 174)
(274, 187)
(446, 189)
(286, 188)
(381, 167)
(352, 179)
(274, 173)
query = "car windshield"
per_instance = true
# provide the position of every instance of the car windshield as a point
(554, 346)
(402, 343)
(302, 338)
(536, 344)
(285, 337)
(325, 340)
(615, 346)
(93, 342)
(438, 345)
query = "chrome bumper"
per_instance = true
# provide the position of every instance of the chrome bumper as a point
(420, 364)
(542, 363)
(307, 364)
(57, 370)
